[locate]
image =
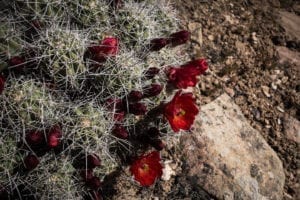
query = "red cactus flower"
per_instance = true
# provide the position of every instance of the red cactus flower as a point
(151, 72)
(54, 137)
(200, 64)
(93, 161)
(147, 168)
(94, 183)
(152, 90)
(16, 61)
(181, 111)
(86, 174)
(135, 96)
(157, 44)
(186, 75)
(115, 104)
(31, 162)
(36, 24)
(117, 4)
(34, 138)
(180, 37)
(119, 116)
(2, 83)
(120, 132)
(137, 109)
(109, 47)
(3, 193)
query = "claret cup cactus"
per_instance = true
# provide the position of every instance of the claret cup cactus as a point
(85, 84)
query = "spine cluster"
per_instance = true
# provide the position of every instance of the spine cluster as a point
(83, 84)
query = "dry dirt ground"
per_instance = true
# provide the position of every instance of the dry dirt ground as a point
(246, 43)
(240, 38)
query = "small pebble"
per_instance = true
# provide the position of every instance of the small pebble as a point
(266, 91)
(280, 109)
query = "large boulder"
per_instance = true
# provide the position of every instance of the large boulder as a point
(230, 159)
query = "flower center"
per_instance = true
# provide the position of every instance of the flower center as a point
(145, 167)
(180, 113)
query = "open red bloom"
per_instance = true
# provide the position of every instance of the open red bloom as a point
(2, 83)
(108, 47)
(147, 168)
(186, 75)
(181, 111)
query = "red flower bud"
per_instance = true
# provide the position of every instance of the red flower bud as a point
(115, 104)
(2, 83)
(186, 75)
(54, 137)
(135, 96)
(93, 161)
(137, 109)
(86, 174)
(36, 24)
(16, 60)
(31, 162)
(3, 193)
(152, 90)
(199, 64)
(157, 44)
(151, 72)
(119, 116)
(117, 4)
(180, 37)
(34, 138)
(157, 144)
(109, 47)
(94, 183)
(120, 132)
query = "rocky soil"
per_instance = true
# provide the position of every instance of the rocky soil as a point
(254, 54)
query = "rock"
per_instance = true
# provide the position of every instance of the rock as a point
(286, 55)
(292, 129)
(228, 158)
(254, 38)
(280, 109)
(211, 37)
(196, 30)
(229, 91)
(229, 60)
(168, 171)
(274, 86)
(266, 91)
(291, 24)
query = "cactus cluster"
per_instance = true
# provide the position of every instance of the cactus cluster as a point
(84, 84)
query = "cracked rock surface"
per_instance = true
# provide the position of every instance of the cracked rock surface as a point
(228, 157)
